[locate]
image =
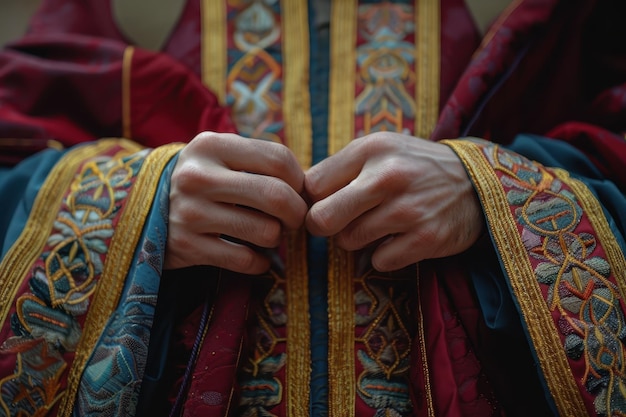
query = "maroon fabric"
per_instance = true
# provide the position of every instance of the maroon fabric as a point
(68, 88)
(541, 69)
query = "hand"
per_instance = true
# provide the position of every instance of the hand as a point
(410, 194)
(227, 185)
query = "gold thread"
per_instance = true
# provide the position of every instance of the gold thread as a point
(430, 408)
(427, 86)
(296, 104)
(598, 221)
(342, 74)
(538, 320)
(341, 369)
(298, 371)
(427, 21)
(127, 62)
(341, 372)
(118, 260)
(495, 27)
(25, 143)
(28, 246)
(214, 56)
(299, 137)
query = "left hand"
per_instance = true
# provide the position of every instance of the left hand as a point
(411, 194)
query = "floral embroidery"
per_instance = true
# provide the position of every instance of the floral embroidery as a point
(47, 321)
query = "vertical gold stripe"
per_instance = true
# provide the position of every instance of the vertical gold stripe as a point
(538, 320)
(299, 137)
(341, 372)
(28, 247)
(298, 327)
(119, 256)
(427, 86)
(430, 408)
(214, 59)
(341, 369)
(427, 24)
(296, 102)
(342, 74)
(127, 62)
(594, 211)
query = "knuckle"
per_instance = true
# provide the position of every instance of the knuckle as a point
(280, 157)
(269, 235)
(321, 221)
(353, 239)
(246, 261)
(277, 192)
(375, 143)
(188, 175)
(311, 185)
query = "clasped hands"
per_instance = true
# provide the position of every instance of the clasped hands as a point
(409, 197)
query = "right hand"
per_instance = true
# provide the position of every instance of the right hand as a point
(227, 185)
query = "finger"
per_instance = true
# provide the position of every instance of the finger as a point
(401, 250)
(371, 226)
(333, 173)
(254, 155)
(266, 194)
(332, 214)
(214, 251)
(244, 224)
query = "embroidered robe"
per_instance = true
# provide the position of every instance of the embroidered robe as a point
(530, 320)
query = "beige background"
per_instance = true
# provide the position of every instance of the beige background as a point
(14, 15)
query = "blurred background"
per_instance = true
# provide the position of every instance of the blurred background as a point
(14, 16)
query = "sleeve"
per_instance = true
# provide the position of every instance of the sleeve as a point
(60, 90)
(79, 284)
(557, 223)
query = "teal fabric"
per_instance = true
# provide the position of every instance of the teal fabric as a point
(317, 254)
(19, 186)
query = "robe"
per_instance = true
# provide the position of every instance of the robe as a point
(529, 321)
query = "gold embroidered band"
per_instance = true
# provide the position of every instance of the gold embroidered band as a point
(534, 310)
(118, 260)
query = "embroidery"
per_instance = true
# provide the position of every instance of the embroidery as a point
(254, 83)
(47, 320)
(382, 311)
(386, 68)
(569, 262)
(261, 390)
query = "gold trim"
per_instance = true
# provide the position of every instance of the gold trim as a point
(427, 24)
(598, 221)
(299, 138)
(495, 27)
(534, 311)
(341, 372)
(298, 373)
(119, 257)
(28, 246)
(341, 369)
(296, 103)
(27, 144)
(214, 55)
(127, 62)
(342, 74)
(421, 337)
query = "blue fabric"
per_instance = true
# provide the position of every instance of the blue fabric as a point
(317, 254)
(19, 186)
(119, 358)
